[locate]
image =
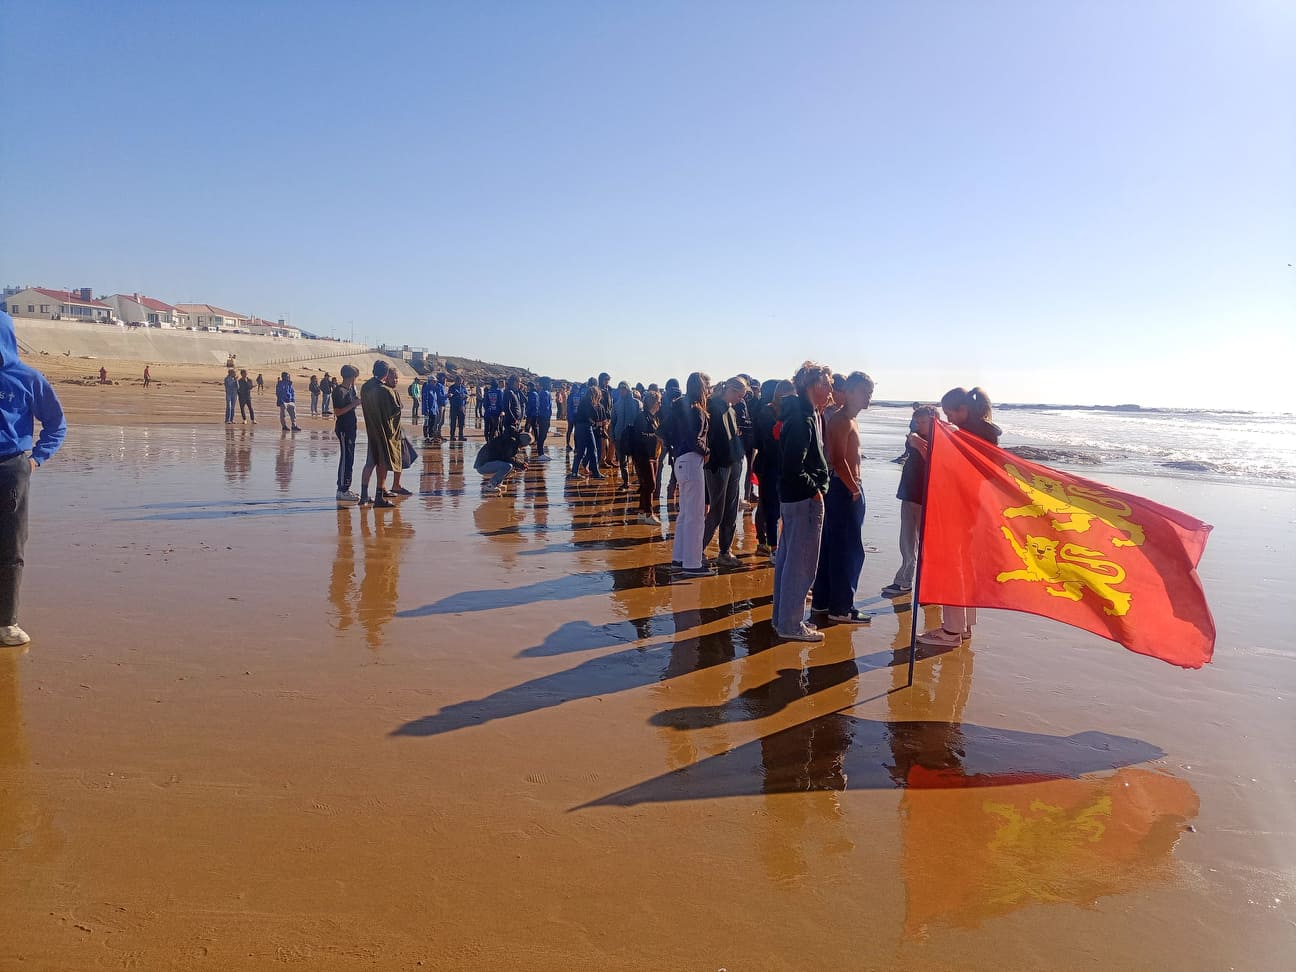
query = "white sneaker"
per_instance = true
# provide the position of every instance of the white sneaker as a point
(346, 496)
(649, 520)
(12, 636)
(544, 459)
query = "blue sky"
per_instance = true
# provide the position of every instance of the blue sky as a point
(1084, 202)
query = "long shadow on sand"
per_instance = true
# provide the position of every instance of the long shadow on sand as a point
(577, 636)
(556, 589)
(841, 752)
(618, 672)
(219, 509)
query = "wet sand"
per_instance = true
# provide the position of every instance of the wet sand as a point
(255, 730)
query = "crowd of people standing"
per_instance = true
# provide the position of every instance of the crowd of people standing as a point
(785, 451)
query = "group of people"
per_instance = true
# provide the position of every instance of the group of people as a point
(789, 450)
(786, 451)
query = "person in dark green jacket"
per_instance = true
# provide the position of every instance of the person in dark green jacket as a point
(803, 480)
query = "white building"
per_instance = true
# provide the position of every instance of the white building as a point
(205, 317)
(138, 309)
(271, 328)
(55, 305)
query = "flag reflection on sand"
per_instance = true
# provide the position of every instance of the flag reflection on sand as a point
(972, 853)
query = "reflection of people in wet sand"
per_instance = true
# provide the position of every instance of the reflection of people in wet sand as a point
(238, 455)
(370, 599)
(22, 826)
(284, 463)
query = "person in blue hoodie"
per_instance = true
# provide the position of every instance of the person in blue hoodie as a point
(286, 399)
(458, 398)
(543, 413)
(25, 398)
(430, 411)
(443, 399)
(494, 400)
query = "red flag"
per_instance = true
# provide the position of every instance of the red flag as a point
(1001, 532)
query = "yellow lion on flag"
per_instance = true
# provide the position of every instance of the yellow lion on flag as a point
(1072, 507)
(1068, 571)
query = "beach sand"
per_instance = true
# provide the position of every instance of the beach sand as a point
(255, 730)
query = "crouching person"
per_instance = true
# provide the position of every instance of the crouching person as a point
(499, 459)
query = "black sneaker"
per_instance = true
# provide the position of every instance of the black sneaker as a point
(850, 617)
(699, 572)
(895, 590)
(383, 504)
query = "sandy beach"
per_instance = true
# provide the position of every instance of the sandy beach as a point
(255, 730)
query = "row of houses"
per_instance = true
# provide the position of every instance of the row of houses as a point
(137, 310)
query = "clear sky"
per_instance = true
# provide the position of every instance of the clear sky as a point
(1064, 202)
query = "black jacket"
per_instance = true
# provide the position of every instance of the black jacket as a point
(726, 449)
(804, 470)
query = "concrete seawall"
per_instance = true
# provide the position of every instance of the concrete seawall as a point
(162, 345)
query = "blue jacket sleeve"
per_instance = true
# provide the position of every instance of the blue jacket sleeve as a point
(49, 412)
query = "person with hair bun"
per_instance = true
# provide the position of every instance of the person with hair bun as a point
(969, 412)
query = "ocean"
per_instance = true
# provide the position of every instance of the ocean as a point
(1216, 445)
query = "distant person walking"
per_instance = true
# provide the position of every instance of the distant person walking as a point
(314, 389)
(245, 397)
(260, 384)
(286, 399)
(327, 384)
(231, 395)
(25, 398)
(415, 391)
(345, 401)
(148, 377)
(103, 375)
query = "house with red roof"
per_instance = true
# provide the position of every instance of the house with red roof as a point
(205, 317)
(139, 309)
(55, 305)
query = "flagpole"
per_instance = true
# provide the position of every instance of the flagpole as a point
(914, 607)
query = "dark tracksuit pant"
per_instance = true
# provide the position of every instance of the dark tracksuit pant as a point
(723, 489)
(346, 461)
(456, 421)
(841, 554)
(767, 517)
(15, 484)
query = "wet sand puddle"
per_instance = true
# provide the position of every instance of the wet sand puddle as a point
(256, 728)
